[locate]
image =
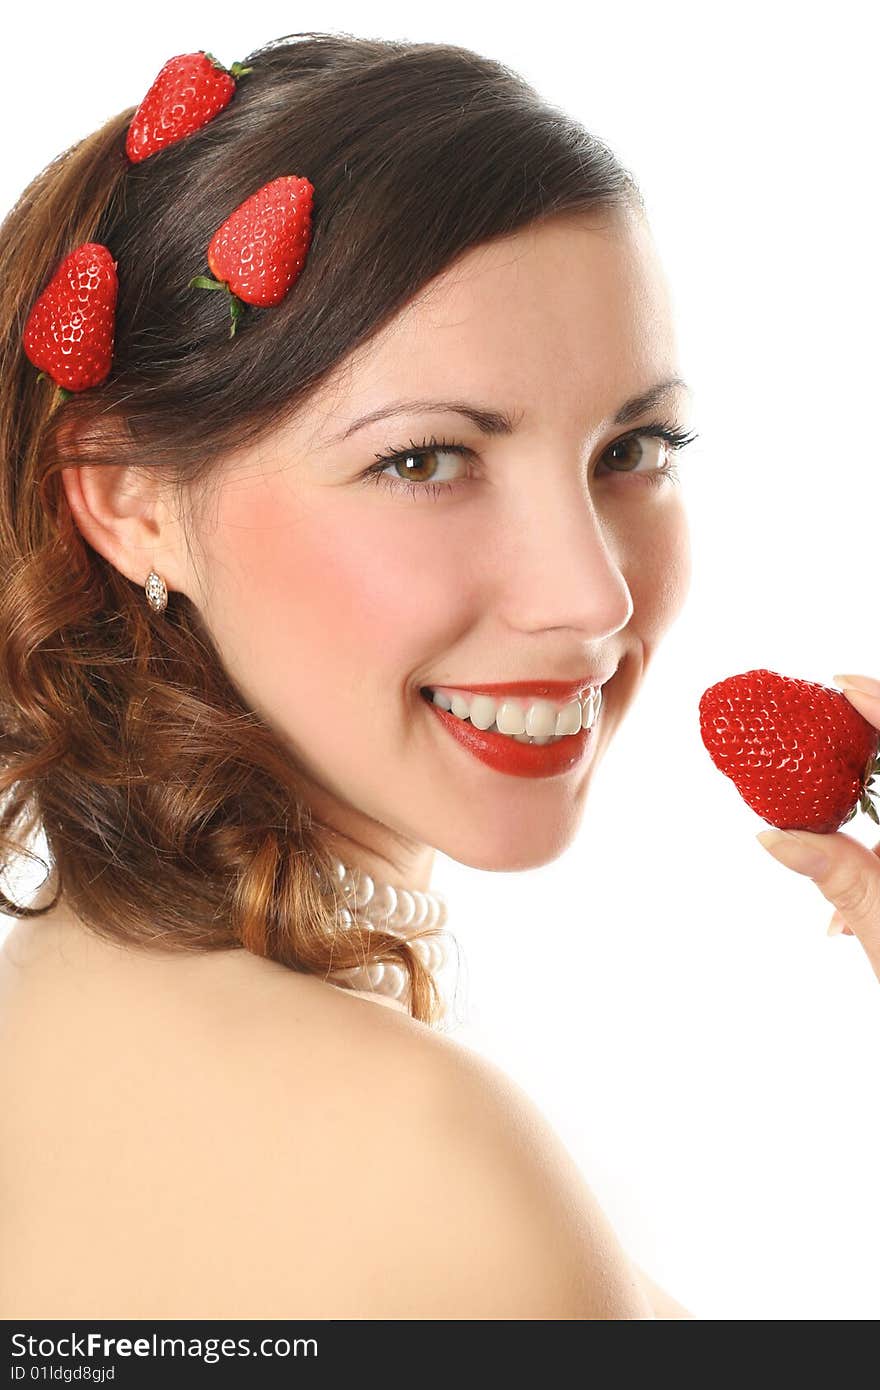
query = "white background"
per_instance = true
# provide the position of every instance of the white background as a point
(666, 991)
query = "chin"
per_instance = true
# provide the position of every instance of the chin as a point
(516, 853)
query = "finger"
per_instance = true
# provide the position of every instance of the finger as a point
(846, 873)
(863, 693)
(837, 926)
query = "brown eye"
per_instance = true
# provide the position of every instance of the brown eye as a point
(432, 469)
(421, 466)
(636, 449)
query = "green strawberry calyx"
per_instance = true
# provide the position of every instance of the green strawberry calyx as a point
(236, 306)
(866, 791)
(63, 393)
(235, 71)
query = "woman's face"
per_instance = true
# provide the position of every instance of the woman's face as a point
(334, 594)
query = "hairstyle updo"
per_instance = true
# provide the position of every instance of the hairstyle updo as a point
(173, 814)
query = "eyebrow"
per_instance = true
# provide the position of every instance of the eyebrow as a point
(499, 422)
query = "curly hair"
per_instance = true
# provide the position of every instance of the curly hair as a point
(173, 815)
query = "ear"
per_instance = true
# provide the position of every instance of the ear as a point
(125, 513)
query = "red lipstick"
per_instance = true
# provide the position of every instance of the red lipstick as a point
(504, 754)
(538, 690)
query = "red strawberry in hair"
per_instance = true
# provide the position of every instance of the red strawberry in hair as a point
(69, 331)
(797, 752)
(259, 251)
(189, 92)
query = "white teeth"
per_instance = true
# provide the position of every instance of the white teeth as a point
(482, 712)
(541, 721)
(510, 718)
(569, 720)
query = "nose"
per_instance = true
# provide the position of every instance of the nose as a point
(558, 570)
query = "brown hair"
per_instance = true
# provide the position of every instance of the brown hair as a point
(172, 813)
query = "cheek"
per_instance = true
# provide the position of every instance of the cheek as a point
(311, 606)
(659, 574)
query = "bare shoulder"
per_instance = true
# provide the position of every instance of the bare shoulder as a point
(259, 1145)
(446, 1192)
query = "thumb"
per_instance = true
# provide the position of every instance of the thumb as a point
(846, 873)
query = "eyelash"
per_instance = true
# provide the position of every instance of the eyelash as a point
(676, 439)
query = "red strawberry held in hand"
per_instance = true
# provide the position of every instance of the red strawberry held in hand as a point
(69, 331)
(259, 251)
(797, 752)
(189, 91)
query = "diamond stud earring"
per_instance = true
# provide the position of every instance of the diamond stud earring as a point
(157, 594)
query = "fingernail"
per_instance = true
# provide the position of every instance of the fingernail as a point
(794, 851)
(866, 684)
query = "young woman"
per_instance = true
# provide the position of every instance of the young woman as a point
(445, 461)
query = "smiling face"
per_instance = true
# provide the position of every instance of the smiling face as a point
(541, 551)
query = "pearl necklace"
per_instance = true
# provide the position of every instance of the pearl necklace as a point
(401, 911)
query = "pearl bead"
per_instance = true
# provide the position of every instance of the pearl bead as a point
(348, 975)
(394, 979)
(422, 949)
(406, 908)
(358, 890)
(401, 911)
(381, 906)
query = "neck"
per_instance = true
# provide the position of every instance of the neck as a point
(404, 867)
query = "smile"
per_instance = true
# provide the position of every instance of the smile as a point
(527, 721)
(534, 738)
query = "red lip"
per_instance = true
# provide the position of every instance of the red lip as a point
(516, 759)
(547, 690)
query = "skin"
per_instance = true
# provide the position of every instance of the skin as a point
(535, 565)
(538, 564)
(543, 562)
(846, 872)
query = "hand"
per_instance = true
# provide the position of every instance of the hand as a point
(844, 871)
